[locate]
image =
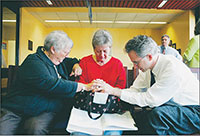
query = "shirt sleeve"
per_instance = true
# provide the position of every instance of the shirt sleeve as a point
(162, 91)
(191, 49)
(178, 56)
(36, 75)
(121, 81)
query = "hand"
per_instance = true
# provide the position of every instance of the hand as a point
(86, 87)
(185, 61)
(100, 85)
(76, 70)
(93, 86)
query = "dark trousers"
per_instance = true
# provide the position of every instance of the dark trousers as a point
(168, 119)
(11, 123)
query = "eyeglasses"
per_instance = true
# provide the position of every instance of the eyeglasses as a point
(138, 62)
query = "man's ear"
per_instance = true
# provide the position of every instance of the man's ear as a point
(149, 56)
(52, 49)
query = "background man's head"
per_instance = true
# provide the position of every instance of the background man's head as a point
(165, 40)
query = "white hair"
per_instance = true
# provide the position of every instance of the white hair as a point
(58, 39)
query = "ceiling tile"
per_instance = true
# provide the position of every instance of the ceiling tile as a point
(8, 14)
(163, 17)
(85, 16)
(48, 15)
(9, 17)
(105, 16)
(144, 17)
(67, 15)
(7, 11)
(125, 16)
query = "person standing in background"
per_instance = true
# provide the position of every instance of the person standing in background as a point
(191, 55)
(165, 49)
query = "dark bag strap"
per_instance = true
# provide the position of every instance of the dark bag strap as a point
(100, 114)
(94, 118)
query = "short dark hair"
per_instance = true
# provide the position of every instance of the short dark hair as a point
(165, 35)
(142, 45)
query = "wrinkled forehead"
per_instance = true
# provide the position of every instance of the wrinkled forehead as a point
(102, 47)
(65, 49)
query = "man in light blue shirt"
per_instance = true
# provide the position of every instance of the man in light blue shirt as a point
(165, 49)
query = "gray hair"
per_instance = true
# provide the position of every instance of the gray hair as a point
(101, 37)
(142, 45)
(58, 39)
(165, 35)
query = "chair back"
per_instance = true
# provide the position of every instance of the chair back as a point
(131, 75)
(126, 70)
(8, 78)
(12, 75)
(4, 80)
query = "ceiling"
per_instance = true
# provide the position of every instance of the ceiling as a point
(105, 14)
(171, 4)
(107, 10)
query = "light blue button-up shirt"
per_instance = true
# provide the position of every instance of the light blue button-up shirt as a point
(170, 51)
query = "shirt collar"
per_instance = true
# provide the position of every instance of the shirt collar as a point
(43, 56)
(162, 46)
(156, 68)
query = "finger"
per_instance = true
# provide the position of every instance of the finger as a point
(97, 81)
(100, 89)
(75, 73)
(72, 73)
(78, 72)
(95, 84)
(97, 89)
(100, 81)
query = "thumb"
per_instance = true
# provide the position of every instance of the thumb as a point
(72, 73)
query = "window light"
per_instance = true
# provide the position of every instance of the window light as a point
(162, 3)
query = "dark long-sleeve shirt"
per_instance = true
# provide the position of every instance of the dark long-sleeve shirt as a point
(38, 88)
